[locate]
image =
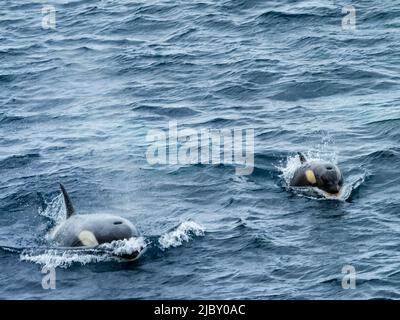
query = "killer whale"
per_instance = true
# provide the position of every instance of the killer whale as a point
(91, 230)
(323, 175)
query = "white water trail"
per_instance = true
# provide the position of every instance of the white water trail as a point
(184, 233)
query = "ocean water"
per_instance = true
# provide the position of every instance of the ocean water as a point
(76, 104)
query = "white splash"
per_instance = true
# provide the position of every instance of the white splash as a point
(125, 247)
(288, 169)
(56, 259)
(183, 233)
(64, 258)
(55, 209)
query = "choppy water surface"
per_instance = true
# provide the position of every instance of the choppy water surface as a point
(77, 102)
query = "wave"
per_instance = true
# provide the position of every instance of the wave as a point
(166, 111)
(236, 91)
(312, 89)
(108, 252)
(379, 156)
(18, 161)
(183, 233)
(54, 258)
(7, 77)
(181, 34)
(10, 119)
(275, 16)
(387, 128)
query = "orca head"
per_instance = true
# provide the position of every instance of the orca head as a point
(329, 178)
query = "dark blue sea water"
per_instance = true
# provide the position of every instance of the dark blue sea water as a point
(77, 101)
